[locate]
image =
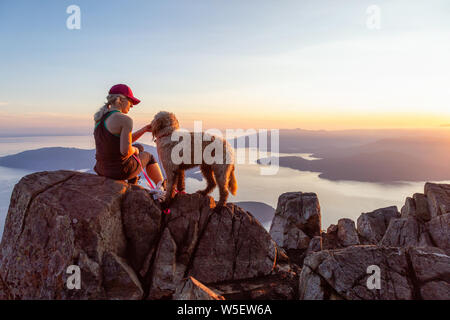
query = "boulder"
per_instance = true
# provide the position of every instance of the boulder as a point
(422, 211)
(438, 196)
(329, 238)
(403, 232)
(315, 245)
(439, 230)
(296, 221)
(63, 218)
(346, 233)
(230, 245)
(371, 226)
(404, 273)
(341, 235)
(409, 208)
(416, 207)
(431, 272)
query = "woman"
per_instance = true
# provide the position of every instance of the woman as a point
(113, 140)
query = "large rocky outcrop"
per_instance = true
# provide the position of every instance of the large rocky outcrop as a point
(411, 252)
(126, 248)
(409, 249)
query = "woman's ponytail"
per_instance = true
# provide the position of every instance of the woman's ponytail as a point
(106, 107)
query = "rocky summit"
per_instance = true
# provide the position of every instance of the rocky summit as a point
(72, 235)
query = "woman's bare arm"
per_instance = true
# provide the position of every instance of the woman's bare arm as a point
(140, 132)
(126, 139)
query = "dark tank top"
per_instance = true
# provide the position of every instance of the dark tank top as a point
(110, 162)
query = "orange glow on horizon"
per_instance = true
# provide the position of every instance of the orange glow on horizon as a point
(230, 120)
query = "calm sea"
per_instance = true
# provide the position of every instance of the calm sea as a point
(343, 199)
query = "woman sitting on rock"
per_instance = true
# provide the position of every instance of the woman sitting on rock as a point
(113, 140)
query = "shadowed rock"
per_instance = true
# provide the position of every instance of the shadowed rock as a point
(403, 232)
(371, 226)
(341, 235)
(404, 274)
(439, 230)
(438, 196)
(416, 207)
(192, 289)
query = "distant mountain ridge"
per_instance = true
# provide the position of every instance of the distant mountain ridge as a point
(356, 155)
(61, 158)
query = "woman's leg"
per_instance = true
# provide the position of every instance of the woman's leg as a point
(154, 172)
(151, 167)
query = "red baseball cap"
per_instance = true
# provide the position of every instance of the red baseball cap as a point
(125, 90)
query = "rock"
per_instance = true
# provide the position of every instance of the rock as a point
(371, 226)
(416, 207)
(439, 230)
(403, 232)
(341, 235)
(280, 286)
(295, 211)
(123, 244)
(296, 221)
(435, 290)
(193, 289)
(315, 245)
(438, 196)
(211, 247)
(343, 274)
(119, 279)
(40, 239)
(409, 209)
(346, 233)
(422, 211)
(4, 291)
(329, 238)
(431, 273)
(405, 273)
(141, 221)
(311, 285)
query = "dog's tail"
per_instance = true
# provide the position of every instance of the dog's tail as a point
(232, 184)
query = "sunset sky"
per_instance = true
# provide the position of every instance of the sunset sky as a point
(233, 64)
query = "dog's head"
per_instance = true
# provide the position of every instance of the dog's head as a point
(164, 123)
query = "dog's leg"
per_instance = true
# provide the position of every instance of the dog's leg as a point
(210, 181)
(170, 191)
(222, 177)
(180, 181)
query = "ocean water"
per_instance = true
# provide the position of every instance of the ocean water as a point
(338, 199)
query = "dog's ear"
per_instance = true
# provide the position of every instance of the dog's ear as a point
(156, 126)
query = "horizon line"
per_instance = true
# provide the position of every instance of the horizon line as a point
(79, 134)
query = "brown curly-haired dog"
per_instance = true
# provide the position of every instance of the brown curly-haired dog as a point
(163, 127)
